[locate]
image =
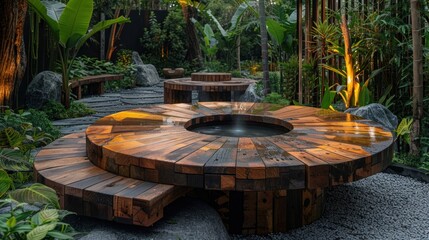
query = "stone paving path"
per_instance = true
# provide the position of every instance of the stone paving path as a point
(109, 103)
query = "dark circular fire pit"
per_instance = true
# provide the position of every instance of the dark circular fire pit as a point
(238, 126)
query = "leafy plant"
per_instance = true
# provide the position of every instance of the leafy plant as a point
(36, 193)
(24, 222)
(86, 66)
(13, 160)
(17, 133)
(124, 57)
(69, 24)
(404, 129)
(276, 99)
(387, 102)
(40, 119)
(290, 76)
(56, 111)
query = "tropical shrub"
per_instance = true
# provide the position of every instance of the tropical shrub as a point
(290, 75)
(56, 111)
(70, 24)
(25, 221)
(165, 45)
(276, 99)
(86, 66)
(17, 133)
(29, 211)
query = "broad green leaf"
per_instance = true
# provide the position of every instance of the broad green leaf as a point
(5, 182)
(74, 21)
(335, 70)
(40, 232)
(23, 228)
(221, 29)
(54, 9)
(45, 216)
(404, 129)
(208, 31)
(100, 26)
(328, 98)
(238, 15)
(13, 160)
(59, 235)
(41, 10)
(11, 222)
(15, 139)
(293, 17)
(36, 193)
(276, 31)
(364, 96)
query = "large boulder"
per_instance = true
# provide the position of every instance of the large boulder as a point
(44, 87)
(146, 74)
(377, 113)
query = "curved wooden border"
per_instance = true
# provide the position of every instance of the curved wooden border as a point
(90, 191)
(325, 148)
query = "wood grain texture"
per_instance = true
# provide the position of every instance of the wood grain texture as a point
(92, 191)
(323, 148)
(95, 83)
(210, 87)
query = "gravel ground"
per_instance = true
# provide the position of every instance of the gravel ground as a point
(383, 206)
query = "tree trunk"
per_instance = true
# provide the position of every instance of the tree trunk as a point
(352, 89)
(102, 38)
(194, 50)
(239, 53)
(299, 29)
(112, 38)
(264, 47)
(417, 77)
(12, 54)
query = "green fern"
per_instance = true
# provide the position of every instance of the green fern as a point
(13, 160)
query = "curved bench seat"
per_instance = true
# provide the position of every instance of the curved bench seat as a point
(90, 191)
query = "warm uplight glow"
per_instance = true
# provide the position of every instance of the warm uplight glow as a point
(136, 115)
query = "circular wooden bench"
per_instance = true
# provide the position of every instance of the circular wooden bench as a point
(90, 191)
(260, 184)
(210, 87)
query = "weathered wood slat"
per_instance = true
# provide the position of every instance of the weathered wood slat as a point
(210, 86)
(95, 83)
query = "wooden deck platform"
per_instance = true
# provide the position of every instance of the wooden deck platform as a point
(90, 191)
(259, 184)
(324, 148)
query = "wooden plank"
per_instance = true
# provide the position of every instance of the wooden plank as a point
(194, 162)
(249, 163)
(123, 200)
(264, 212)
(284, 170)
(223, 161)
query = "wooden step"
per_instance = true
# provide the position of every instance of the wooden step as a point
(90, 191)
